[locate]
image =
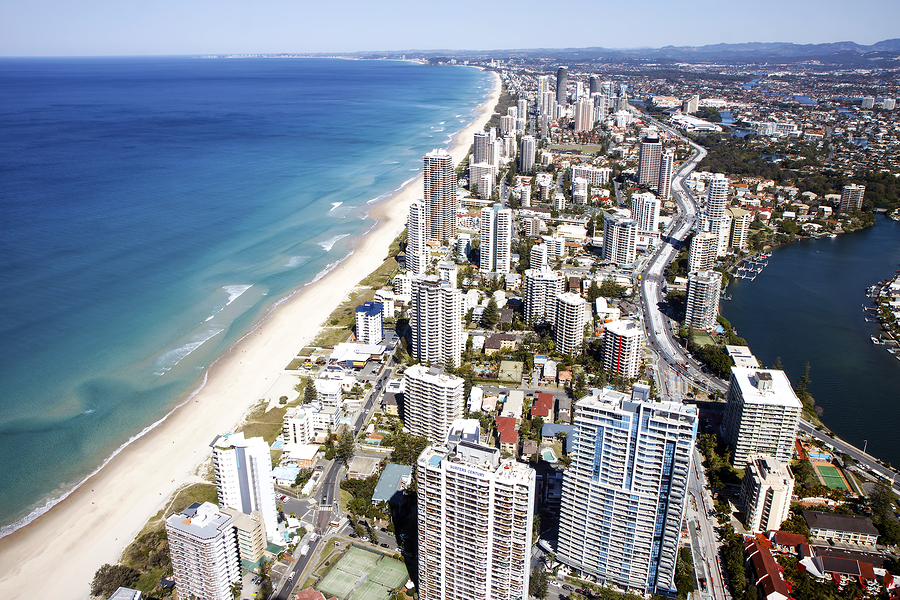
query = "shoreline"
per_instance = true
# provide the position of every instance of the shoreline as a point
(96, 521)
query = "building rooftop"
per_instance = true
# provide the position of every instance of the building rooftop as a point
(393, 479)
(201, 521)
(765, 386)
(837, 522)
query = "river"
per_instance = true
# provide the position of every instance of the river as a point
(806, 306)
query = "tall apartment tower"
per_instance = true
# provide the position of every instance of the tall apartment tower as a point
(740, 226)
(648, 161)
(766, 491)
(703, 252)
(416, 235)
(594, 85)
(440, 196)
(619, 239)
(584, 115)
(370, 322)
(623, 344)
(645, 212)
(702, 308)
(436, 321)
(541, 288)
(562, 84)
(543, 96)
(526, 159)
(761, 415)
(852, 197)
(203, 545)
(496, 238)
(243, 468)
(475, 519)
(433, 400)
(717, 223)
(625, 492)
(482, 147)
(569, 322)
(666, 170)
(538, 259)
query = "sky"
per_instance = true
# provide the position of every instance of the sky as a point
(167, 27)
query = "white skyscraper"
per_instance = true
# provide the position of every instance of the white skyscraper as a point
(529, 147)
(625, 491)
(702, 255)
(440, 196)
(436, 321)
(433, 400)
(203, 545)
(569, 322)
(416, 234)
(481, 178)
(584, 115)
(648, 161)
(762, 414)
(496, 239)
(541, 288)
(475, 512)
(244, 481)
(623, 345)
(666, 170)
(766, 491)
(538, 258)
(619, 239)
(645, 212)
(370, 322)
(447, 271)
(702, 307)
(740, 226)
(716, 200)
(852, 197)
(544, 93)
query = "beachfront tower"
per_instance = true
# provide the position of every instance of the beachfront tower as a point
(562, 83)
(702, 307)
(440, 196)
(702, 256)
(496, 239)
(416, 232)
(625, 491)
(433, 400)
(370, 323)
(645, 212)
(243, 469)
(762, 414)
(203, 545)
(436, 321)
(475, 512)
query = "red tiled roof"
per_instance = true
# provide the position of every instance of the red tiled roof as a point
(768, 577)
(543, 406)
(507, 428)
(784, 538)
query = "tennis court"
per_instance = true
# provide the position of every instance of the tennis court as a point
(832, 477)
(362, 574)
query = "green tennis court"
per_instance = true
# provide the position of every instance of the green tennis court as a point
(832, 477)
(363, 574)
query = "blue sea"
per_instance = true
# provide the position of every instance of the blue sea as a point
(152, 210)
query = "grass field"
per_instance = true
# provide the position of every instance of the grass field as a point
(832, 477)
(363, 575)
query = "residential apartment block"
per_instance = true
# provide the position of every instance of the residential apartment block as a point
(204, 551)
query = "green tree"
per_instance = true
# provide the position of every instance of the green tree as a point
(803, 383)
(491, 315)
(611, 289)
(346, 445)
(594, 291)
(309, 394)
(109, 578)
(538, 583)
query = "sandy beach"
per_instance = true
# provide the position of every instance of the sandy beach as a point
(57, 554)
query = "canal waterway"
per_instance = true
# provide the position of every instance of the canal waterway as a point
(806, 307)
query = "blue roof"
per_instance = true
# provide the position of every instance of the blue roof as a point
(370, 308)
(435, 460)
(551, 429)
(388, 485)
(285, 472)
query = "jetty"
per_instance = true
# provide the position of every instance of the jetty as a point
(753, 266)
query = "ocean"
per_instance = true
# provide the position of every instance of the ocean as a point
(807, 307)
(155, 209)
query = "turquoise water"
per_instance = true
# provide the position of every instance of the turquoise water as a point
(806, 307)
(154, 210)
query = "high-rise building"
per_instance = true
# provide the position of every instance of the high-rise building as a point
(584, 115)
(852, 197)
(440, 196)
(666, 170)
(204, 550)
(529, 147)
(543, 95)
(716, 222)
(475, 512)
(417, 253)
(370, 322)
(243, 469)
(580, 190)
(569, 322)
(740, 226)
(541, 288)
(562, 83)
(888, 103)
(522, 106)
(619, 239)
(483, 147)
(691, 105)
(507, 125)
(538, 259)
(251, 533)
(433, 400)
(496, 239)
(645, 212)
(648, 161)
(625, 491)
(868, 103)
(761, 415)
(436, 321)
(702, 255)
(594, 85)
(447, 270)
(481, 179)
(702, 307)
(623, 345)
(766, 492)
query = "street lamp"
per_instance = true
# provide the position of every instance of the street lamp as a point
(865, 445)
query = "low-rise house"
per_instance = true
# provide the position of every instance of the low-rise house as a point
(550, 431)
(766, 574)
(543, 407)
(394, 479)
(498, 342)
(362, 467)
(509, 437)
(847, 529)
(529, 448)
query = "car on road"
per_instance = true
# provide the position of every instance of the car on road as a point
(383, 545)
(567, 587)
(384, 529)
(353, 535)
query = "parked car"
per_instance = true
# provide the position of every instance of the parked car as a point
(383, 545)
